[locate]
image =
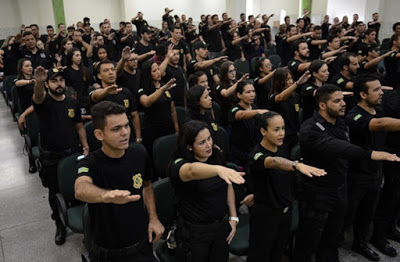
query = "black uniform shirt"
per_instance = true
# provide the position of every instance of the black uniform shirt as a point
(214, 39)
(131, 82)
(392, 65)
(117, 226)
(273, 188)
(141, 49)
(209, 71)
(289, 110)
(293, 66)
(365, 171)
(262, 91)
(25, 94)
(199, 201)
(327, 146)
(57, 121)
(178, 92)
(391, 106)
(123, 98)
(308, 100)
(80, 83)
(183, 50)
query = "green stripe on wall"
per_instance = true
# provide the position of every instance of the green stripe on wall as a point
(58, 10)
(306, 4)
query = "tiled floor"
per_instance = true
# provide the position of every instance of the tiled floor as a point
(26, 230)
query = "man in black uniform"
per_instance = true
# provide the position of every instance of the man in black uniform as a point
(174, 70)
(300, 63)
(116, 181)
(392, 63)
(325, 144)
(286, 50)
(59, 121)
(36, 33)
(139, 22)
(78, 42)
(201, 62)
(370, 63)
(144, 48)
(114, 93)
(129, 76)
(214, 37)
(127, 38)
(367, 126)
(375, 24)
(176, 39)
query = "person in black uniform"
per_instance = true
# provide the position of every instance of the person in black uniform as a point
(325, 144)
(129, 76)
(177, 40)
(160, 114)
(105, 182)
(273, 183)
(370, 64)
(78, 42)
(244, 119)
(388, 208)
(319, 76)
(205, 196)
(263, 82)
(144, 48)
(367, 128)
(59, 122)
(284, 100)
(392, 62)
(117, 94)
(301, 61)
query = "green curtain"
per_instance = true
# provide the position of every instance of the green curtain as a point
(58, 10)
(306, 4)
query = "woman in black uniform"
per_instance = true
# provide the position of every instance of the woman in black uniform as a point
(273, 180)
(284, 100)
(244, 121)
(61, 57)
(207, 218)
(263, 83)
(319, 75)
(160, 114)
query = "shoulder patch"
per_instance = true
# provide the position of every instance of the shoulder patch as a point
(340, 80)
(357, 117)
(318, 124)
(178, 160)
(218, 87)
(140, 90)
(83, 170)
(309, 88)
(257, 156)
(293, 63)
(235, 109)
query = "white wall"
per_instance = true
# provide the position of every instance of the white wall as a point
(341, 8)
(275, 7)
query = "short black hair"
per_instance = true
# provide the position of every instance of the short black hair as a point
(317, 27)
(266, 117)
(240, 86)
(107, 61)
(26, 33)
(331, 37)
(296, 45)
(395, 37)
(395, 25)
(49, 27)
(323, 94)
(289, 27)
(369, 31)
(34, 25)
(360, 84)
(103, 109)
(344, 59)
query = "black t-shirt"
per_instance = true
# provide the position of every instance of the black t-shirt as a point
(140, 25)
(183, 50)
(131, 41)
(141, 49)
(117, 226)
(158, 115)
(391, 106)
(392, 65)
(83, 50)
(57, 121)
(365, 171)
(372, 70)
(308, 100)
(123, 98)
(262, 91)
(130, 81)
(289, 110)
(78, 81)
(113, 47)
(214, 39)
(286, 51)
(40, 58)
(273, 188)
(245, 133)
(209, 71)
(315, 50)
(341, 82)
(225, 103)
(199, 201)
(234, 51)
(293, 66)
(207, 118)
(178, 92)
(333, 67)
(25, 94)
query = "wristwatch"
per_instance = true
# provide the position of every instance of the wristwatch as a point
(234, 219)
(294, 164)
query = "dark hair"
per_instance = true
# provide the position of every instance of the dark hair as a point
(324, 93)
(35, 25)
(297, 44)
(259, 64)
(62, 48)
(299, 19)
(194, 78)
(176, 28)
(102, 47)
(360, 84)
(395, 25)
(145, 76)
(86, 19)
(26, 33)
(49, 27)
(193, 96)
(332, 37)
(395, 37)
(374, 13)
(369, 31)
(335, 31)
(70, 54)
(214, 15)
(314, 68)
(186, 138)
(317, 27)
(264, 118)
(103, 109)
(86, 75)
(69, 91)
(107, 61)
(161, 50)
(358, 23)
(345, 59)
(223, 73)
(19, 67)
(279, 80)
(240, 86)
(289, 27)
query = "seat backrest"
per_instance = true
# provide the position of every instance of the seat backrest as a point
(162, 151)
(181, 112)
(8, 84)
(94, 144)
(66, 174)
(87, 228)
(253, 65)
(276, 61)
(164, 195)
(222, 140)
(295, 153)
(14, 96)
(217, 111)
(242, 66)
(32, 123)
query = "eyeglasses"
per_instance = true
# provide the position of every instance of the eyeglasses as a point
(232, 71)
